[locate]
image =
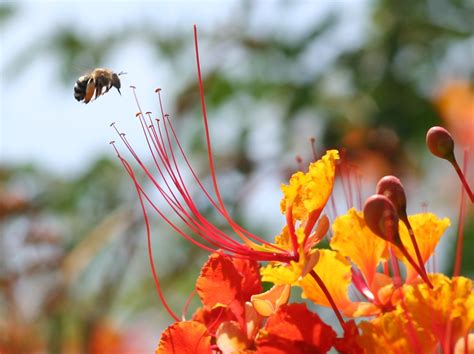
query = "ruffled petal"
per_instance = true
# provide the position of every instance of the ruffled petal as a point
(310, 191)
(353, 239)
(187, 337)
(451, 301)
(220, 284)
(250, 272)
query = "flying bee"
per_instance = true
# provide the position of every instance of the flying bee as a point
(95, 84)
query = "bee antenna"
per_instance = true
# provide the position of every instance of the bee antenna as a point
(122, 73)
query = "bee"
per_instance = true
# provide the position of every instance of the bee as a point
(95, 84)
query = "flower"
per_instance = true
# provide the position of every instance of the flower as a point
(424, 319)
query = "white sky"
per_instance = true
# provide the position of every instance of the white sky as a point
(41, 122)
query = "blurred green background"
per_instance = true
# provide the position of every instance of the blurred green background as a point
(368, 77)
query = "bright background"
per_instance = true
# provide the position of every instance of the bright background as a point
(368, 76)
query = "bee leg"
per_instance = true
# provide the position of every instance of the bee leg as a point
(89, 91)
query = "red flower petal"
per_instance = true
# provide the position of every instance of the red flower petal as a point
(250, 271)
(348, 344)
(294, 329)
(220, 284)
(183, 338)
(212, 318)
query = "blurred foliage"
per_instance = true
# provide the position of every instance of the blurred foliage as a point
(74, 242)
(374, 99)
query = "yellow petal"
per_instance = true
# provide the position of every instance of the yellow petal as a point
(335, 272)
(428, 229)
(451, 301)
(307, 192)
(353, 239)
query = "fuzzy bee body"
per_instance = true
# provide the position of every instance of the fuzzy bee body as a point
(95, 84)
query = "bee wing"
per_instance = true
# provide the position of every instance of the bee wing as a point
(89, 91)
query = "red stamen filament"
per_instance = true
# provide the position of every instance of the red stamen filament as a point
(415, 246)
(462, 216)
(463, 180)
(291, 231)
(328, 296)
(186, 305)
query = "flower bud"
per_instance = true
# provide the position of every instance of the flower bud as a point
(381, 218)
(441, 143)
(392, 188)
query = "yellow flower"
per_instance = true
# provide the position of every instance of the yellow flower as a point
(303, 201)
(424, 319)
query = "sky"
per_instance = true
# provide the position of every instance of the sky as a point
(41, 123)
